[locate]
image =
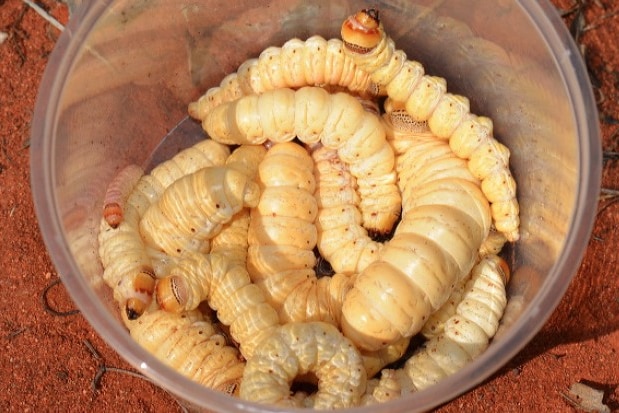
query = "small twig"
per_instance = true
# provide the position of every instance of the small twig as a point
(609, 199)
(610, 155)
(48, 308)
(577, 7)
(576, 13)
(5, 152)
(608, 193)
(16, 35)
(598, 23)
(41, 12)
(575, 19)
(103, 368)
(608, 119)
(15, 333)
(577, 28)
(60, 27)
(92, 349)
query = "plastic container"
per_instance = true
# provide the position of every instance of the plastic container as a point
(123, 72)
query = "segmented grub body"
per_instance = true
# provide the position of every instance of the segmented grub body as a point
(313, 62)
(436, 322)
(414, 144)
(445, 218)
(201, 155)
(232, 239)
(193, 209)
(209, 278)
(489, 251)
(128, 268)
(425, 98)
(117, 192)
(338, 121)
(416, 147)
(129, 265)
(190, 345)
(300, 348)
(282, 237)
(391, 385)
(447, 170)
(465, 335)
(342, 240)
(227, 288)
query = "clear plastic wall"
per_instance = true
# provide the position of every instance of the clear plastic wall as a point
(124, 71)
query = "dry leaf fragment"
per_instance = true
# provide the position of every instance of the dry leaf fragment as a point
(586, 398)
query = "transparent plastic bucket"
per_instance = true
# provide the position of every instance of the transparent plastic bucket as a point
(123, 72)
